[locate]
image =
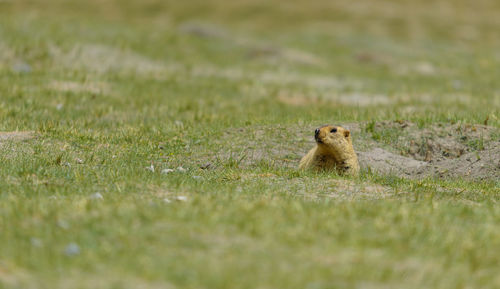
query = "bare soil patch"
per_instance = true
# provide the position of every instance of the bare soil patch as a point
(398, 148)
(255, 49)
(104, 59)
(385, 162)
(301, 99)
(440, 150)
(86, 87)
(16, 136)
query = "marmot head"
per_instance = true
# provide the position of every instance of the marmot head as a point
(332, 136)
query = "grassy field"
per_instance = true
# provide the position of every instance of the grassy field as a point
(100, 99)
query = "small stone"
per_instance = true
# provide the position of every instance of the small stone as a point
(197, 177)
(35, 242)
(96, 196)
(21, 67)
(63, 224)
(72, 249)
(181, 198)
(167, 201)
(166, 171)
(181, 169)
(59, 106)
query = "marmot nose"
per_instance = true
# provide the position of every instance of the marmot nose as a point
(316, 133)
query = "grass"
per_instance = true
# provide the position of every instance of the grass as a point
(113, 87)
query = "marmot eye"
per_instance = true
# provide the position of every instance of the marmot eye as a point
(334, 130)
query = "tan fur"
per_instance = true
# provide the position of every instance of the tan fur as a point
(333, 151)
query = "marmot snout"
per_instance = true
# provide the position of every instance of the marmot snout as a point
(333, 150)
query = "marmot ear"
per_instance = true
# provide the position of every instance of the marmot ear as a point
(347, 133)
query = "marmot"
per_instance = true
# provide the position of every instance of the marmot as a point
(334, 150)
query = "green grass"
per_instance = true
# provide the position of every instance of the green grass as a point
(113, 87)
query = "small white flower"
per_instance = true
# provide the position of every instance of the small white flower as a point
(166, 200)
(80, 161)
(72, 249)
(181, 169)
(181, 198)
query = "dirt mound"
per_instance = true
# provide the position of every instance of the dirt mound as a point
(481, 165)
(397, 148)
(439, 142)
(385, 162)
(440, 150)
